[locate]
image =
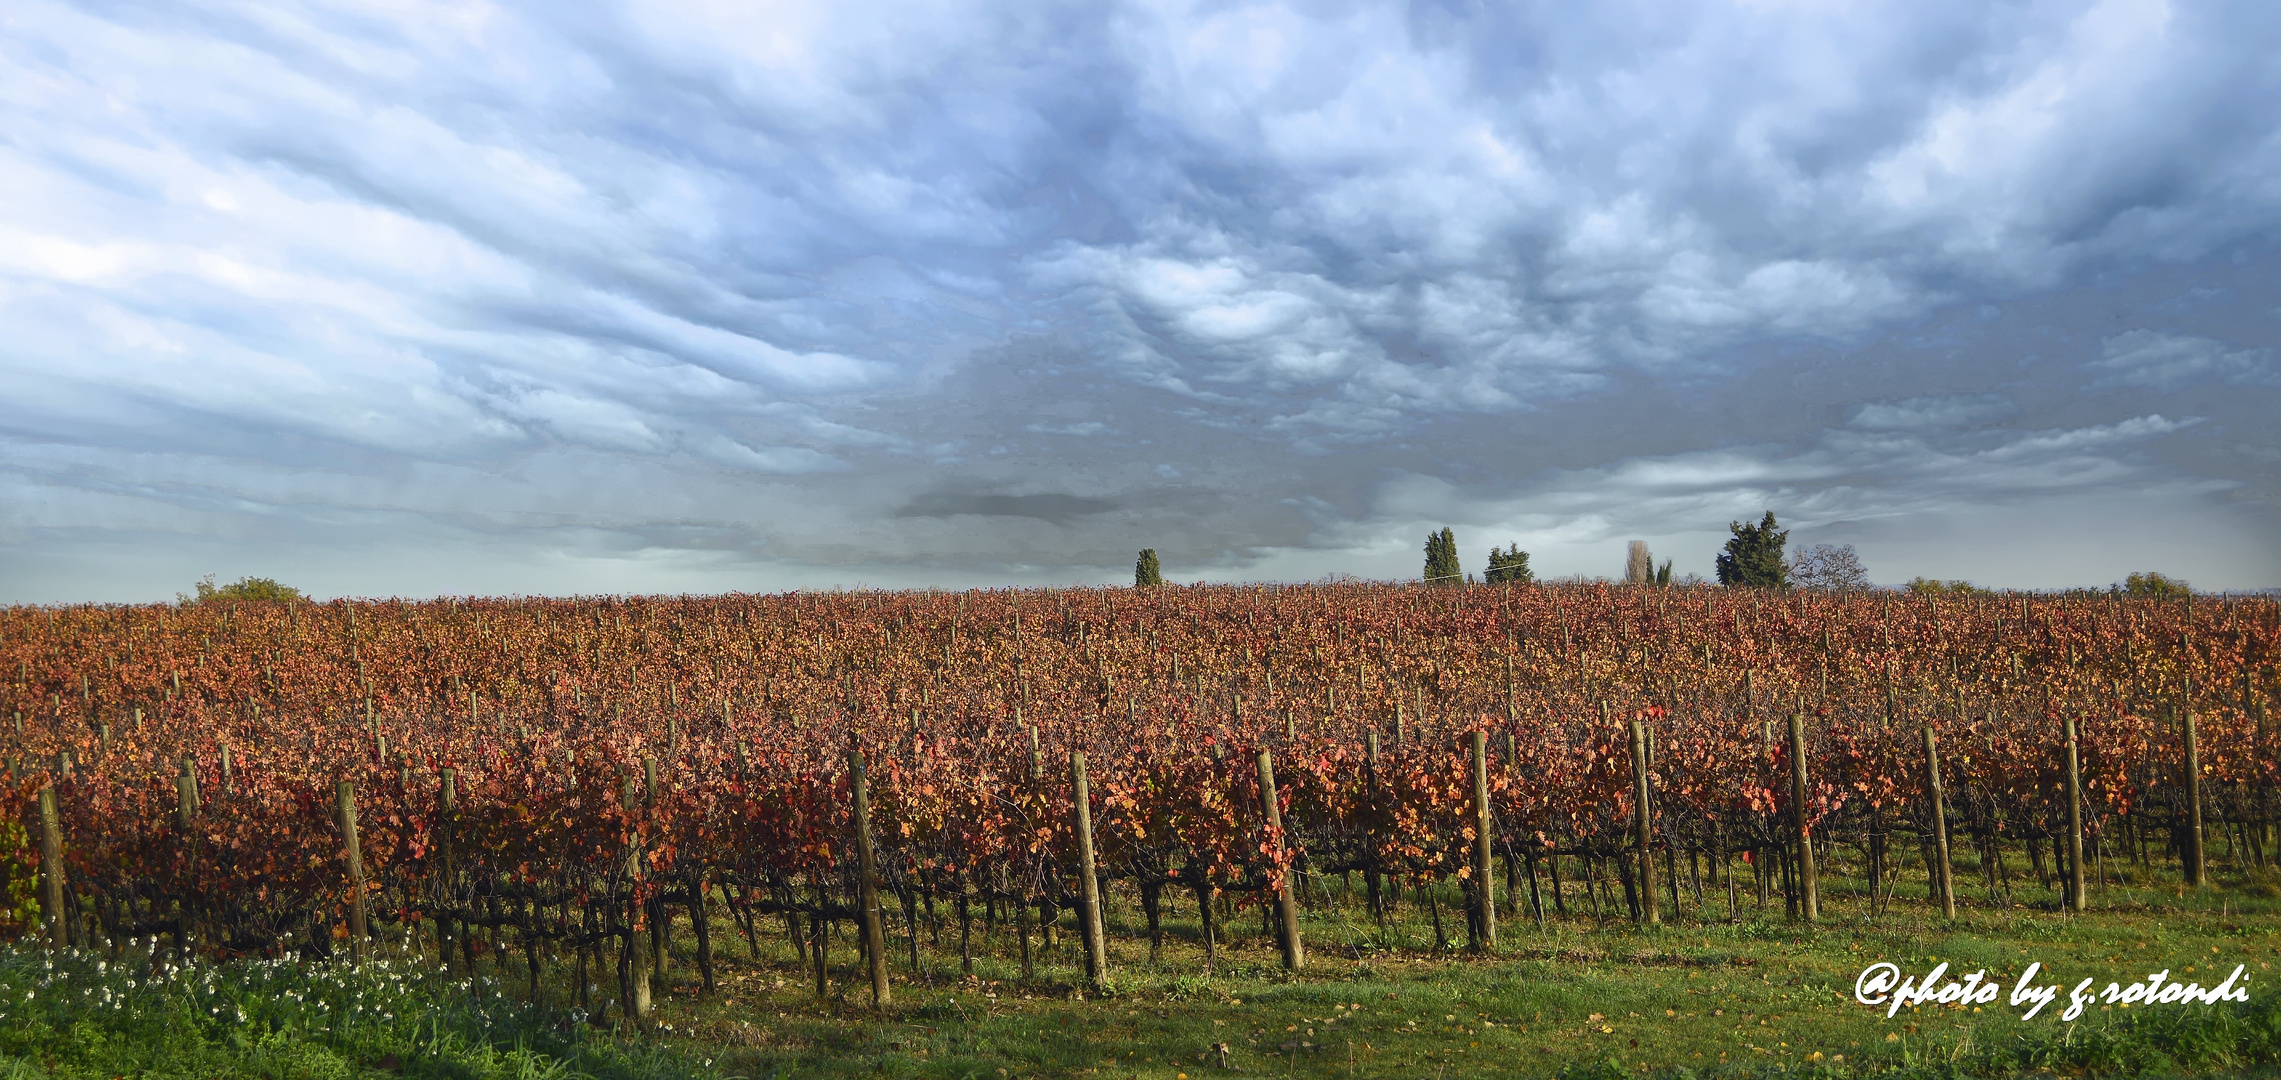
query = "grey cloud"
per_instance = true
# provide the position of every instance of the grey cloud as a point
(1932, 413)
(838, 292)
(1052, 508)
(2149, 358)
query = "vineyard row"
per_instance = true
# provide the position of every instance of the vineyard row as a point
(241, 777)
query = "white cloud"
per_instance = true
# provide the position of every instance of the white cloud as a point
(712, 249)
(2149, 358)
(1932, 413)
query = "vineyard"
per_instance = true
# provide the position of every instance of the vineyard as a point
(567, 779)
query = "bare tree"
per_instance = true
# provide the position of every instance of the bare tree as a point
(1830, 567)
(1639, 566)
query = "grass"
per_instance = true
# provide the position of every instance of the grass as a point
(136, 1014)
(1581, 997)
(1756, 996)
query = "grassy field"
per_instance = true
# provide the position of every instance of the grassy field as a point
(104, 1015)
(1758, 994)
(1580, 996)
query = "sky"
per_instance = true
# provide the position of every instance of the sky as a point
(417, 298)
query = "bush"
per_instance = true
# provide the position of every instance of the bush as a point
(1925, 586)
(2155, 586)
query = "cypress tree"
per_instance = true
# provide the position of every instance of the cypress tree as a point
(1753, 558)
(1146, 573)
(1442, 567)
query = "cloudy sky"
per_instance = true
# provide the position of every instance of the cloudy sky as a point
(686, 295)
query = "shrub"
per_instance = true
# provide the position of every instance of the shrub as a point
(1936, 587)
(245, 588)
(2156, 586)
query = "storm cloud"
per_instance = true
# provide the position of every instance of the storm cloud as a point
(588, 297)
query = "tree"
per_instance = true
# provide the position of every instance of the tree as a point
(1639, 565)
(1753, 558)
(245, 588)
(1830, 567)
(2156, 586)
(1925, 586)
(1146, 573)
(1509, 567)
(1663, 575)
(1442, 567)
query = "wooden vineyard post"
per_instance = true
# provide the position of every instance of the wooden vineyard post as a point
(820, 935)
(1943, 882)
(1809, 906)
(634, 965)
(660, 916)
(867, 868)
(1294, 953)
(1644, 823)
(51, 869)
(185, 814)
(345, 794)
(2258, 850)
(2197, 872)
(2076, 901)
(1484, 882)
(442, 887)
(1096, 958)
(1370, 864)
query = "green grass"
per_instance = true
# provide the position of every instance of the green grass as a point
(135, 1014)
(1582, 997)
(1758, 996)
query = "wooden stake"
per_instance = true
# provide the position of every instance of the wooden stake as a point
(1294, 953)
(1096, 957)
(1370, 866)
(660, 916)
(874, 935)
(185, 812)
(2197, 871)
(1943, 885)
(51, 870)
(445, 889)
(345, 794)
(2075, 897)
(1484, 882)
(1808, 888)
(1644, 823)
